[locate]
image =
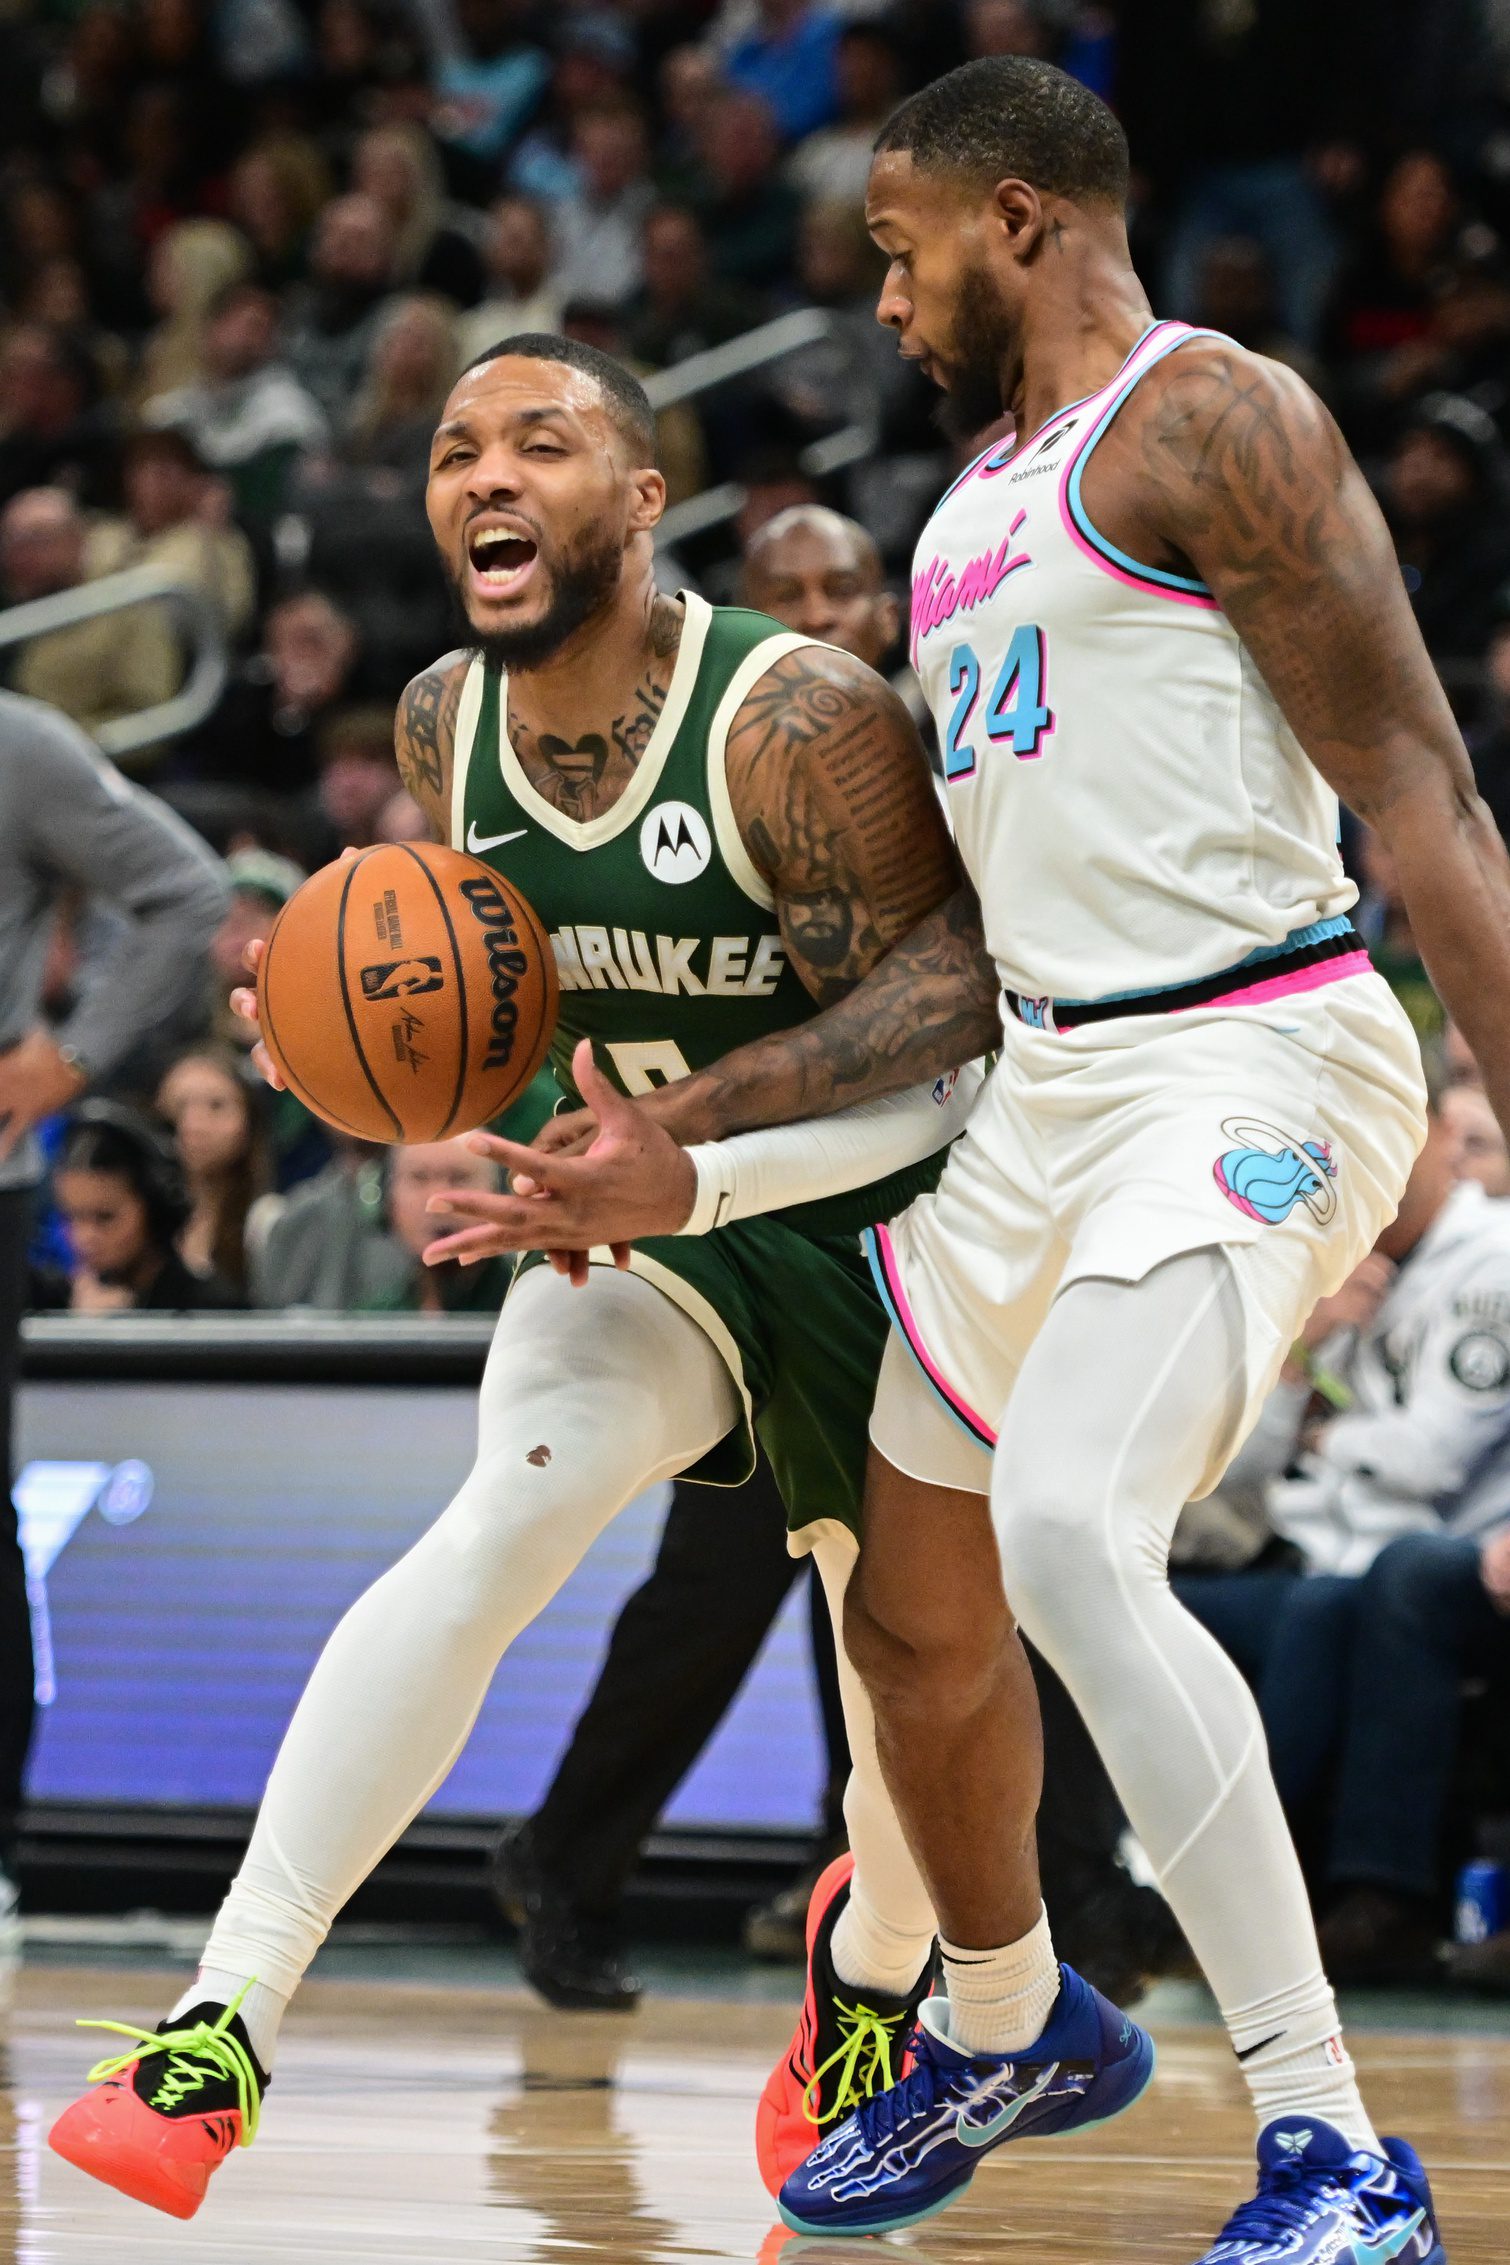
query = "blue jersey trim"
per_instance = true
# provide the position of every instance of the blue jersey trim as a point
(1315, 932)
(1137, 567)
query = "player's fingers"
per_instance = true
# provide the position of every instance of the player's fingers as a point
(252, 956)
(488, 1209)
(267, 1068)
(544, 1174)
(613, 1112)
(620, 1256)
(579, 1268)
(570, 1133)
(467, 1244)
(348, 853)
(244, 1002)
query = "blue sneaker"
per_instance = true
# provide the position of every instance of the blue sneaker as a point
(908, 2152)
(1321, 2202)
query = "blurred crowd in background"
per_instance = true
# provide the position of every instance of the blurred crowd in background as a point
(245, 248)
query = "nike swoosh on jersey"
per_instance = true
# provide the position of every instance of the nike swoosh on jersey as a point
(477, 842)
(983, 2134)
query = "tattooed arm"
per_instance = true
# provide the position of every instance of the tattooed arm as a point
(424, 739)
(833, 796)
(1237, 467)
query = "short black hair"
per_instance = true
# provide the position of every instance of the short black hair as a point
(1011, 115)
(625, 399)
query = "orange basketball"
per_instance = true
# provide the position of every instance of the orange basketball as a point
(408, 993)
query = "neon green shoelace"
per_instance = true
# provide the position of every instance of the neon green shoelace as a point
(862, 2057)
(226, 2055)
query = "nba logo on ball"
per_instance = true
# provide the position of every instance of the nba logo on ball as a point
(674, 842)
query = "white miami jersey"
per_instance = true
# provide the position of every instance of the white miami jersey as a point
(1128, 800)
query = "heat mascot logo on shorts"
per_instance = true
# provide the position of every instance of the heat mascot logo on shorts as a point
(1270, 1173)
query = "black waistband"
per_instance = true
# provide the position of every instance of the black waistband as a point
(1068, 1014)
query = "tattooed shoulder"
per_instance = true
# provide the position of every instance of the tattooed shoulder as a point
(424, 736)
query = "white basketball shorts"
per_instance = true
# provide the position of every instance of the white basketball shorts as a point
(1283, 1131)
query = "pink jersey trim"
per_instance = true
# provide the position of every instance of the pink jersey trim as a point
(903, 1316)
(1138, 363)
(1303, 979)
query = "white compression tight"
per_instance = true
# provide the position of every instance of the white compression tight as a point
(1086, 1489)
(589, 1397)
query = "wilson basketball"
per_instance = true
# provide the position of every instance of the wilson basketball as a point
(408, 993)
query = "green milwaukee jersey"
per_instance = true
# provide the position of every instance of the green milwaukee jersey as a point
(670, 954)
(666, 938)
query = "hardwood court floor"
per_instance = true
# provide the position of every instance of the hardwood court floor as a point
(450, 2125)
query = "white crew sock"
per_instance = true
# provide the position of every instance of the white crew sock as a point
(261, 2009)
(1000, 2000)
(870, 1954)
(1296, 2062)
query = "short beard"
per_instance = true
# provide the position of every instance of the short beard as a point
(584, 583)
(973, 400)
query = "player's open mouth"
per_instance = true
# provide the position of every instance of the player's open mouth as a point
(501, 561)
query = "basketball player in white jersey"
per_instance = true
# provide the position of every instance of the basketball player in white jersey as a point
(1158, 632)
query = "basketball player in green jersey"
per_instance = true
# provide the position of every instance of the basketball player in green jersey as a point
(724, 826)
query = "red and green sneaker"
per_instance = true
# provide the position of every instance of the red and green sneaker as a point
(849, 2044)
(166, 2114)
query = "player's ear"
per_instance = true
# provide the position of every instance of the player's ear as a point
(647, 499)
(1019, 215)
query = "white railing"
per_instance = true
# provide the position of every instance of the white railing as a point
(195, 616)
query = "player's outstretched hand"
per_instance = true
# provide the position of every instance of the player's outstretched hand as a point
(633, 1180)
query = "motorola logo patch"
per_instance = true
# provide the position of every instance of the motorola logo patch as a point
(674, 842)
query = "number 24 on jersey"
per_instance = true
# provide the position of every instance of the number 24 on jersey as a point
(1017, 710)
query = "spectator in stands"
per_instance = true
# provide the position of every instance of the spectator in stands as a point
(1378, 334)
(358, 778)
(789, 58)
(274, 193)
(397, 166)
(178, 518)
(1015, 27)
(249, 417)
(682, 307)
(325, 1245)
(489, 79)
(414, 1175)
(192, 263)
(1410, 1442)
(750, 213)
(820, 574)
(1235, 294)
(54, 430)
(598, 228)
(520, 292)
(1447, 496)
(221, 1139)
(594, 69)
(265, 733)
(849, 376)
(689, 79)
(97, 670)
(121, 1192)
(413, 365)
(1479, 1151)
(333, 318)
(833, 164)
